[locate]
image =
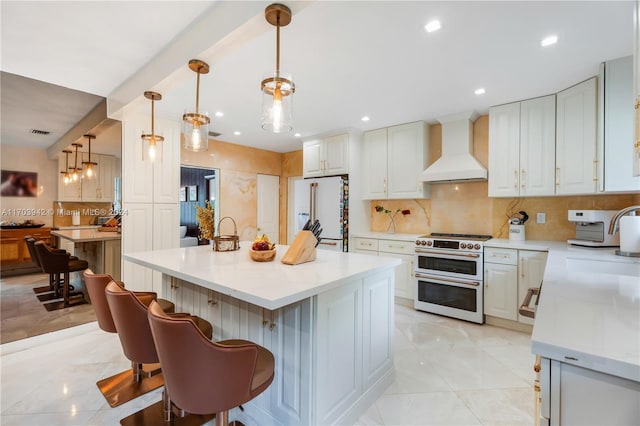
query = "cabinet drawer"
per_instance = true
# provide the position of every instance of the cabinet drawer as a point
(498, 255)
(365, 244)
(400, 247)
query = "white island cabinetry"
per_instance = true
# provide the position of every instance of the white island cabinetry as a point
(329, 324)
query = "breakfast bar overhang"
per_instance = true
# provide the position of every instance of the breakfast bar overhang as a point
(329, 324)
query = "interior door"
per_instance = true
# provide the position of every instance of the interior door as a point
(268, 195)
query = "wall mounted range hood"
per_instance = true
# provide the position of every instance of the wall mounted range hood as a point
(457, 162)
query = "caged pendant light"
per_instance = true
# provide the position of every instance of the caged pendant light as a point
(75, 175)
(152, 139)
(89, 166)
(278, 88)
(66, 176)
(195, 125)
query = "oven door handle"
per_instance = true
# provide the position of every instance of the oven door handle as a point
(472, 255)
(449, 280)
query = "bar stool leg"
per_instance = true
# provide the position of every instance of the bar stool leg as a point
(222, 418)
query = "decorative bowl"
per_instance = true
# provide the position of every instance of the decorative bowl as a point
(262, 255)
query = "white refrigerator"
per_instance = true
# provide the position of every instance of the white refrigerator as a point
(327, 200)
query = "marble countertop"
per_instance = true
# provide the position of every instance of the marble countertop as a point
(589, 309)
(527, 244)
(270, 285)
(86, 235)
(385, 236)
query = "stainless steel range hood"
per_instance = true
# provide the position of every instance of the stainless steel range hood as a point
(457, 162)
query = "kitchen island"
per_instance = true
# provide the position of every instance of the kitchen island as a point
(587, 333)
(329, 324)
(102, 250)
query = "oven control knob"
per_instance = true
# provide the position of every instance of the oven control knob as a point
(477, 247)
(417, 242)
(463, 246)
(429, 243)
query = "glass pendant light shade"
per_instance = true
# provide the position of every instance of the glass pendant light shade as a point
(277, 103)
(277, 88)
(151, 140)
(195, 125)
(89, 166)
(195, 130)
(66, 176)
(75, 175)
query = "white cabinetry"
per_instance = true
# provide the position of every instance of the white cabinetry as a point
(616, 101)
(573, 395)
(508, 274)
(99, 188)
(576, 126)
(326, 157)
(403, 250)
(522, 148)
(393, 159)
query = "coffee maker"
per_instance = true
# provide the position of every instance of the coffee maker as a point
(592, 228)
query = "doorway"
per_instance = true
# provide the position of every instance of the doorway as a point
(268, 204)
(197, 187)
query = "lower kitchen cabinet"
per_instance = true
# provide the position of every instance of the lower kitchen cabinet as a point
(400, 249)
(508, 274)
(573, 395)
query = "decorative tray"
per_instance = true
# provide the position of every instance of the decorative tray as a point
(23, 226)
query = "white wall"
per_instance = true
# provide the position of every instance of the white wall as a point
(13, 157)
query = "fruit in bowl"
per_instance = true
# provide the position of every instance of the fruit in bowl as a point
(262, 250)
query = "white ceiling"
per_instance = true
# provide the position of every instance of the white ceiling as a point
(348, 59)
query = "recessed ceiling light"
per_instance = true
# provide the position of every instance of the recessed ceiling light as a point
(365, 118)
(219, 113)
(432, 26)
(548, 41)
(237, 133)
(297, 135)
(479, 91)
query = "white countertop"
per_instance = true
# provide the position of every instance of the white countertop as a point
(385, 236)
(526, 244)
(86, 235)
(589, 315)
(270, 285)
(76, 227)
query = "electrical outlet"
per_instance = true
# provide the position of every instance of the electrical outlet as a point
(541, 218)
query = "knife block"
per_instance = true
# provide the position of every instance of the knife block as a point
(301, 250)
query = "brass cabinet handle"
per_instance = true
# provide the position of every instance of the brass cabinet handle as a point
(595, 170)
(522, 172)
(515, 178)
(557, 176)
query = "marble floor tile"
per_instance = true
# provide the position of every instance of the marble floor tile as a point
(447, 372)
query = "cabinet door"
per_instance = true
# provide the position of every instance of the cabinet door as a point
(336, 155)
(404, 275)
(138, 173)
(576, 165)
(106, 178)
(91, 184)
(377, 327)
(312, 157)
(374, 165)
(166, 173)
(538, 146)
(406, 161)
(531, 264)
(339, 341)
(501, 291)
(504, 150)
(618, 126)
(71, 191)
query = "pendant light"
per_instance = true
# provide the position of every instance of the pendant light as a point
(152, 139)
(278, 88)
(195, 126)
(66, 176)
(89, 166)
(75, 176)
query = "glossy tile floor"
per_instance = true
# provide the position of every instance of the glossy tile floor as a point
(448, 372)
(23, 315)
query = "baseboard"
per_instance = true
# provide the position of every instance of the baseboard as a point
(505, 323)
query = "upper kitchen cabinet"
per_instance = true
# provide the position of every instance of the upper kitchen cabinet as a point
(99, 188)
(393, 159)
(617, 134)
(522, 148)
(576, 127)
(326, 157)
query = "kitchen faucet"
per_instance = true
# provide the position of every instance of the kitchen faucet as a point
(613, 226)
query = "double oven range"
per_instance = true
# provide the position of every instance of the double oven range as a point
(449, 275)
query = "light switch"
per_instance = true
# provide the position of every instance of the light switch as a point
(541, 218)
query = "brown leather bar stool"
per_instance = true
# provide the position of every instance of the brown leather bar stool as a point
(53, 278)
(60, 263)
(202, 376)
(120, 387)
(130, 318)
